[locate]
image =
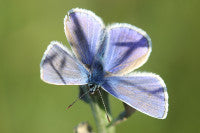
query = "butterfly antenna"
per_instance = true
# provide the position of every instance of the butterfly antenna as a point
(77, 99)
(104, 105)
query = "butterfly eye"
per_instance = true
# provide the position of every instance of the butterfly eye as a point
(91, 85)
(93, 88)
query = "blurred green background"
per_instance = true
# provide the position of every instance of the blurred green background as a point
(28, 105)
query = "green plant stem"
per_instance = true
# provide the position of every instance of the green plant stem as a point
(99, 112)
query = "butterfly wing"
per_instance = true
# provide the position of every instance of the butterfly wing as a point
(145, 92)
(84, 31)
(60, 68)
(128, 47)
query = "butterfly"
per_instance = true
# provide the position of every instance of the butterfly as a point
(106, 57)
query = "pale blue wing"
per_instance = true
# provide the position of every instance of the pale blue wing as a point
(59, 67)
(145, 92)
(128, 47)
(84, 31)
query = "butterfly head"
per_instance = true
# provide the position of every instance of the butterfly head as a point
(93, 88)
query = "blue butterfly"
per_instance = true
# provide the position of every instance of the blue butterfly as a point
(106, 56)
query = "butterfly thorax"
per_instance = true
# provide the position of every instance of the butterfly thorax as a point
(96, 77)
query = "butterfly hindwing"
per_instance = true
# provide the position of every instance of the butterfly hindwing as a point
(59, 67)
(145, 92)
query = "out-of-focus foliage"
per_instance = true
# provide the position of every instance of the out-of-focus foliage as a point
(26, 28)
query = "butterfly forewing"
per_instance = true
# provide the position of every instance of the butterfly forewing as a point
(128, 47)
(84, 31)
(60, 68)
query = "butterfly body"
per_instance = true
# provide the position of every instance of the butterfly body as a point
(96, 74)
(106, 57)
(93, 88)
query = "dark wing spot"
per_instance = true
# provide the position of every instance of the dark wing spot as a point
(63, 62)
(49, 59)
